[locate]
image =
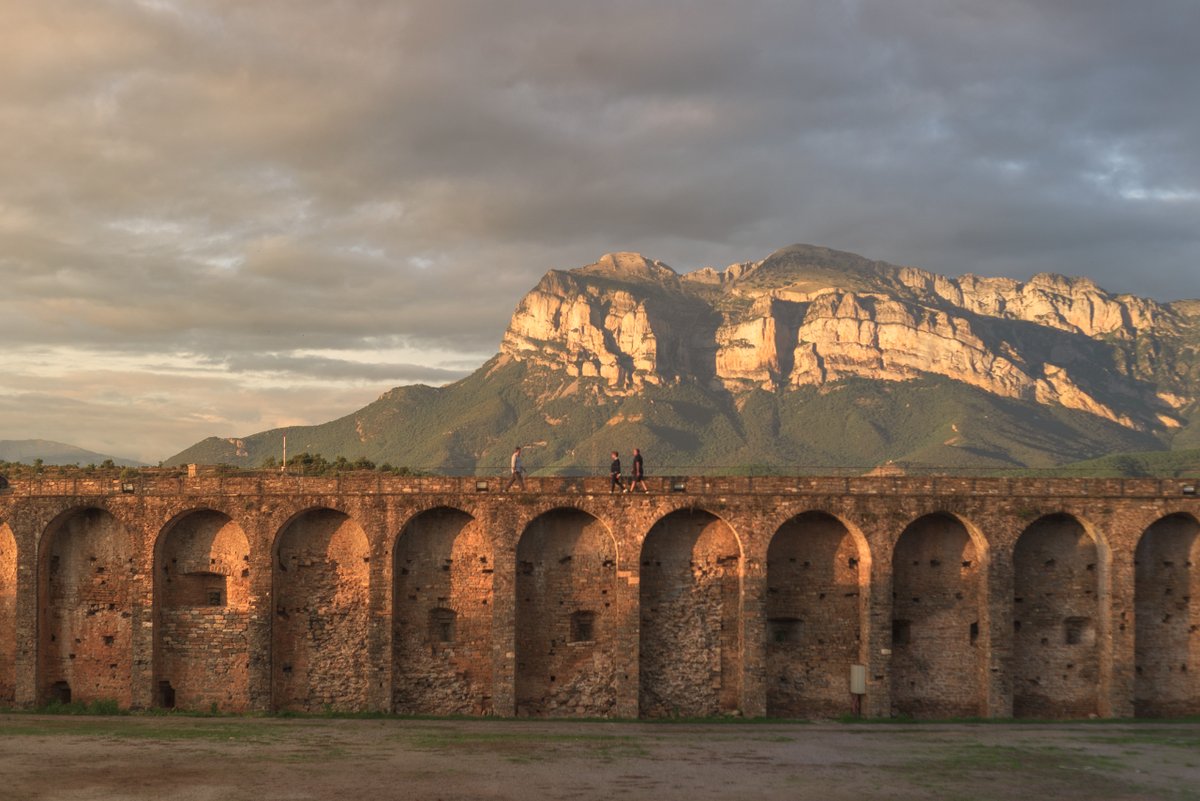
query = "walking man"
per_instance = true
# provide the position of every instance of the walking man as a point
(639, 472)
(518, 470)
(615, 473)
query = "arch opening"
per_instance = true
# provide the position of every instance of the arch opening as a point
(442, 616)
(566, 566)
(8, 616)
(691, 622)
(1056, 614)
(937, 582)
(85, 581)
(320, 628)
(1167, 619)
(202, 614)
(816, 576)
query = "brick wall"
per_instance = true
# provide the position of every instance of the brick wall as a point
(958, 595)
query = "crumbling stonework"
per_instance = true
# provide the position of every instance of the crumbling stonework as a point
(752, 596)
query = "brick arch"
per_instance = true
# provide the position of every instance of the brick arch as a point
(86, 570)
(8, 616)
(1057, 620)
(321, 620)
(202, 613)
(939, 619)
(442, 610)
(690, 642)
(1167, 618)
(818, 570)
(566, 616)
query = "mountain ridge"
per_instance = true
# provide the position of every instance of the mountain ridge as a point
(753, 364)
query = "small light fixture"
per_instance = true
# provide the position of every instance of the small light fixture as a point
(128, 488)
(1188, 489)
(481, 486)
(678, 486)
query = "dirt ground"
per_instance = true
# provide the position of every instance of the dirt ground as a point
(279, 759)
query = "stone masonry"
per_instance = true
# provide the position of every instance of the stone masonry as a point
(708, 596)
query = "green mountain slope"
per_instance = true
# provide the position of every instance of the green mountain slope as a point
(472, 425)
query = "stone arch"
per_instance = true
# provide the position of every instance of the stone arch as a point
(1167, 619)
(817, 574)
(8, 616)
(202, 613)
(86, 571)
(939, 619)
(691, 617)
(442, 616)
(320, 629)
(1056, 620)
(566, 564)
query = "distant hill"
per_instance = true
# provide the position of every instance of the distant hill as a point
(811, 359)
(27, 451)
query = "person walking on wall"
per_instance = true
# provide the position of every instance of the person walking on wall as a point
(517, 466)
(639, 472)
(614, 471)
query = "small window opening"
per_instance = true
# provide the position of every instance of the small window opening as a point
(784, 629)
(583, 627)
(214, 598)
(166, 695)
(1078, 631)
(60, 691)
(901, 632)
(974, 632)
(442, 624)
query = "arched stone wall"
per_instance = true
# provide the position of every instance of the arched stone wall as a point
(937, 620)
(8, 616)
(442, 616)
(202, 600)
(86, 571)
(1056, 620)
(690, 598)
(816, 575)
(1167, 633)
(320, 629)
(565, 623)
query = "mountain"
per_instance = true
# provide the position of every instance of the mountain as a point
(26, 451)
(810, 358)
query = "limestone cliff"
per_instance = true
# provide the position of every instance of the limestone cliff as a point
(812, 316)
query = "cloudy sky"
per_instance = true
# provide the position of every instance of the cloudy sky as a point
(222, 217)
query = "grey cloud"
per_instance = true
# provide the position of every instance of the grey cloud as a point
(236, 179)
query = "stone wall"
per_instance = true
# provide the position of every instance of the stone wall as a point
(707, 596)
